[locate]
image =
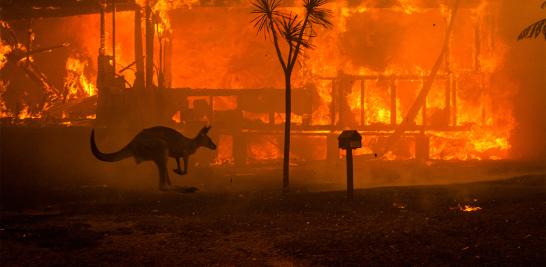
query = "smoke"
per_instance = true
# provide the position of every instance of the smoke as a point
(525, 66)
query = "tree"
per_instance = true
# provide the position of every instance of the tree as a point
(534, 30)
(296, 33)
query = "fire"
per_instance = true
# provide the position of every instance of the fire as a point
(25, 113)
(212, 48)
(479, 143)
(469, 208)
(162, 8)
(321, 114)
(76, 84)
(264, 148)
(5, 49)
(408, 7)
(176, 117)
(225, 150)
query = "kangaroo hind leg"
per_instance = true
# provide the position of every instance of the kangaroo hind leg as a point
(178, 170)
(186, 163)
(161, 162)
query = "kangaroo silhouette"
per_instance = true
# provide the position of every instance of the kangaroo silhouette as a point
(157, 144)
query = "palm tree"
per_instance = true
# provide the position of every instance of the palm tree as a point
(296, 33)
(534, 30)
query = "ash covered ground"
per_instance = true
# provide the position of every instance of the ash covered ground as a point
(61, 207)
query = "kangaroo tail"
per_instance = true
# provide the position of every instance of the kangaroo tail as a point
(108, 157)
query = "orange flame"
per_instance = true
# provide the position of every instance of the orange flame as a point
(76, 84)
(5, 49)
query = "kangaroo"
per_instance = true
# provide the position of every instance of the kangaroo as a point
(157, 144)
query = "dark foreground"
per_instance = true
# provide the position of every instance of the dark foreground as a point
(419, 225)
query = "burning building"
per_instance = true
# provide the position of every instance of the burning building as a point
(183, 63)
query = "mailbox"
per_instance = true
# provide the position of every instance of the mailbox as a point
(350, 139)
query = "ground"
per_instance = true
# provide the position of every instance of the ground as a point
(404, 225)
(62, 207)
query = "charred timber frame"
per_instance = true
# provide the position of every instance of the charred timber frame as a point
(450, 99)
(185, 93)
(150, 32)
(24, 9)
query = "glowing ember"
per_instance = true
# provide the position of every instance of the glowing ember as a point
(469, 208)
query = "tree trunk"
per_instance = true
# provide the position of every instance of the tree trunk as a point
(287, 122)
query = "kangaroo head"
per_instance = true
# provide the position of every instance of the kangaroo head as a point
(204, 140)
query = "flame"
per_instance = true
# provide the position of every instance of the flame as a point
(76, 84)
(5, 49)
(25, 113)
(176, 117)
(224, 154)
(407, 6)
(209, 56)
(469, 208)
(264, 148)
(162, 8)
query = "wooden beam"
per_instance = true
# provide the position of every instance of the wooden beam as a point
(25, 9)
(149, 48)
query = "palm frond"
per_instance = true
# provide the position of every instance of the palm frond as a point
(267, 15)
(290, 28)
(317, 14)
(534, 30)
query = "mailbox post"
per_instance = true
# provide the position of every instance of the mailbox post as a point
(349, 140)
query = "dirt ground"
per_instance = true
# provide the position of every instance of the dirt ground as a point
(62, 207)
(411, 225)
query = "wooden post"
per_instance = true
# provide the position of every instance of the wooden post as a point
(160, 75)
(102, 47)
(349, 173)
(167, 60)
(100, 69)
(449, 84)
(454, 102)
(333, 104)
(149, 48)
(393, 102)
(139, 57)
(114, 36)
(424, 110)
(362, 102)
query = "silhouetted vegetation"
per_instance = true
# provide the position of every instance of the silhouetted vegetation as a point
(534, 30)
(296, 32)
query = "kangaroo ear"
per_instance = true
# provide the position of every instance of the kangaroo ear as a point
(205, 130)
